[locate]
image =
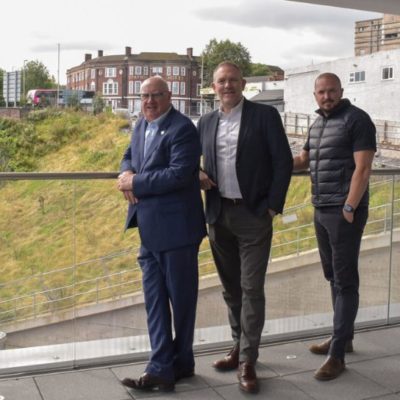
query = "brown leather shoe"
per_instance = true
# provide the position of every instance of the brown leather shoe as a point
(330, 369)
(229, 362)
(149, 382)
(247, 378)
(323, 348)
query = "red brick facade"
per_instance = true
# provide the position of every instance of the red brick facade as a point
(117, 78)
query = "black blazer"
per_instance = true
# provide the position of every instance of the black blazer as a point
(264, 160)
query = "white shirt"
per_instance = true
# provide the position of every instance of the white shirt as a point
(227, 139)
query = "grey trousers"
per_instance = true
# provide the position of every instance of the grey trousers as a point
(240, 243)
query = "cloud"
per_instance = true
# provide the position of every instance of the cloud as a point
(72, 46)
(285, 15)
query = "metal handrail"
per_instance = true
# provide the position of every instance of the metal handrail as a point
(12, 176)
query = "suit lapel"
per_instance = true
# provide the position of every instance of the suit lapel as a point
(141, 129)
(246, 121)
(162, 130)
(213, 129)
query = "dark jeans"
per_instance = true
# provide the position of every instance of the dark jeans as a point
(339, 247)
(240, 243)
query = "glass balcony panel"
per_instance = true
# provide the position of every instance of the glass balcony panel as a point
(376, 247)
(71, 286)
(37, 279)
(394, 309)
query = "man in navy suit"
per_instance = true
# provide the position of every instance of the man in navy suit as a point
(247, 168)
(160, 180)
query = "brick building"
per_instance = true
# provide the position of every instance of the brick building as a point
(378, 34)
(117, 78)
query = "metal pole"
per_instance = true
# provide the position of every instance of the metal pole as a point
(24, 78)
(58, 74)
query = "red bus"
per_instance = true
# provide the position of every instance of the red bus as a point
(47, 97)
(42, 97)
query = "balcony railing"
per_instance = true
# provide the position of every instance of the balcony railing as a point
(70, 277)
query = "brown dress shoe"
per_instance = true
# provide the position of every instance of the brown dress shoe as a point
(247, 378)
(229, 362)
(330, 369)
(149, 382)
(323, 348)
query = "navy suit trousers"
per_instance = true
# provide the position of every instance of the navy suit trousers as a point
(170, 280)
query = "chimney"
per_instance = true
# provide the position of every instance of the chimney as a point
(99, 53)
(128, 51)
(189, 52)
(88, 57)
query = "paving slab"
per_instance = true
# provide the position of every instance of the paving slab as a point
(93, 384)
(349, 386)
(19, 389)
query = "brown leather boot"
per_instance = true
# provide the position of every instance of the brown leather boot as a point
(330, 369)
(229, 362)
(247, 378)
(323, 348)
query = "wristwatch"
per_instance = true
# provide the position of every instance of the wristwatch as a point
(348, 208)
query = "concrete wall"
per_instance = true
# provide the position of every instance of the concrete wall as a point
(380, 98)
(13, 112)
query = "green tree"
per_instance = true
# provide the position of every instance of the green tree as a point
(37, 76)
(225, 50)
(98, 104)
(258, 69)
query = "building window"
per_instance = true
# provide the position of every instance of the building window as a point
(93, 86)
(175, 71)
(131, 70)
(357, 76)
(175, 87)
(183, 88)
(130, 88)
(168, 71)
(156, 70)
(387, 73)
(194, 72)
(182, 106)
(175, 103)
(198, 90)
(110, 87)
(198, 107)
(169, 85)
(145, 71)
(183, 71)
(138, 70)
(391, 36)
(137, 86)
(110, 72)
(93, 73)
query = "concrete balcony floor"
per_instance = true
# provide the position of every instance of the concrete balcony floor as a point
(285, 371)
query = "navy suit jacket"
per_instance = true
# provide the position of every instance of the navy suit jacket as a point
(264, 160)
(169, 213)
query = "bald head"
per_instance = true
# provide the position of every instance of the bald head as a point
(156, 97)
(330, 76)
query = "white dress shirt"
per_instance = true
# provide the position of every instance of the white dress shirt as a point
(227, 139)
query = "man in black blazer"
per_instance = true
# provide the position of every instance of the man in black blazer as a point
(247, 165)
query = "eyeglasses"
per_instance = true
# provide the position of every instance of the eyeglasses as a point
(155, 96)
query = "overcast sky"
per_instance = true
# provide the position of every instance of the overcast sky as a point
(275, 32)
